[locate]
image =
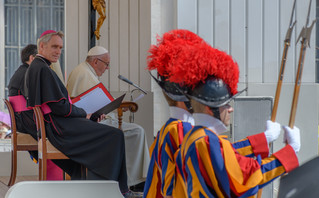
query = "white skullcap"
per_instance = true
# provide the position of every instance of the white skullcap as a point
(97, 50)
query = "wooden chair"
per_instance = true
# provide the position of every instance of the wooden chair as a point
(45, 149)
(131, 106)
(19, 142)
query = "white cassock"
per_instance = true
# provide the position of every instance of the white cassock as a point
(82, 78)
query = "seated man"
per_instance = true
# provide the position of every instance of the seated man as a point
(85, 76)
(100, 148)
(24, 117)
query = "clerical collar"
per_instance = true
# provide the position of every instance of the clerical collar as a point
(41, 57)
(181, 114)
(210, 122)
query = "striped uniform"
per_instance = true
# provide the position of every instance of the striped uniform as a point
(161, 171)
(213, 167)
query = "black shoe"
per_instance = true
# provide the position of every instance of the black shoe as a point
(138, 187)
(131, 194)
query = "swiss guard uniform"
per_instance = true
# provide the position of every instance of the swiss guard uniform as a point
(161, 172)
(161, 177)
(213, 167)
(208, 163)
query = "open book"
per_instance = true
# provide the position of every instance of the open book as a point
(97, 100)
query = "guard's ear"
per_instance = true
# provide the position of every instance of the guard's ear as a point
(209, 111)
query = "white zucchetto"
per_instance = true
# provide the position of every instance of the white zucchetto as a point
(97, 50)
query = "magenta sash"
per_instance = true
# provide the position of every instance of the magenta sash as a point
(19, 104)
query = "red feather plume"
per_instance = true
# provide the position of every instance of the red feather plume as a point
(183, 57)
(168, 48)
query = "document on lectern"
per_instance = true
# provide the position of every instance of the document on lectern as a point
(93, 99)
(97, 100)
(107, 108)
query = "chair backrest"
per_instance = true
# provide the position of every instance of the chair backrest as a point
(65, 189)
(20, 141)
(12, 118)
(41, 128)
(45, 149)
(44, 145)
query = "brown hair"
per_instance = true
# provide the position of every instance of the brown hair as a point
(197, 106)
(170, 101)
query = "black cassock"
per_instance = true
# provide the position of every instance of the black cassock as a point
(98, 147)
(24, 120)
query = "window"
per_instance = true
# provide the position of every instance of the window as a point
(25, 20)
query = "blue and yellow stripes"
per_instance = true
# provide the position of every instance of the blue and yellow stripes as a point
(162, 156)
(213, 167)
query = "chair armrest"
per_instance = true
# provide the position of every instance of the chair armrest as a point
(131, 106)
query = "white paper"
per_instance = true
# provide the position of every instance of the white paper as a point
(93, 101)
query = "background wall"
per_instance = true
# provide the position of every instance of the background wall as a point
(126, 33)
(253, 32)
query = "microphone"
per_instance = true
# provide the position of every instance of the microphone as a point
(125, 79)
(131, 83)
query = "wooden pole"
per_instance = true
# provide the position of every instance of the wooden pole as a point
(279, 83)
(281, 74)
(297, 86)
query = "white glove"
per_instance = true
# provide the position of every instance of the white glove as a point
(292, 137)
(272, 131)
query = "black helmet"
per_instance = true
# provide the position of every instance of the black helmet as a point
(213, 93)
(172, 90)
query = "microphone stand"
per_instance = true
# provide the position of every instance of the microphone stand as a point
(131, 116)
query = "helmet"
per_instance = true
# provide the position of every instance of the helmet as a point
(172, 90)
(213, 93)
